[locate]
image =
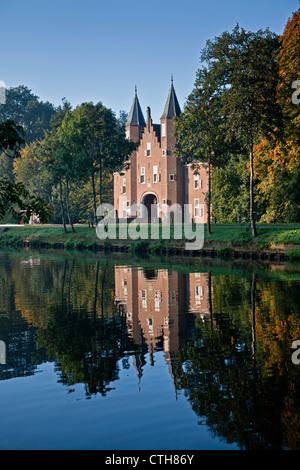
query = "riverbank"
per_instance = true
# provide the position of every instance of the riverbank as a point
(280, 242)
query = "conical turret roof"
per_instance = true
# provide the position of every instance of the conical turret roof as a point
(172, 107)
(136, 117)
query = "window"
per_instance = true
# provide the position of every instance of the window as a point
(171, 177)
(124, 186)
(164, 152)
(142, 177)
(196, 207)
(197, 182)
(144, 298)
(127, 134)
(155, 175)
(157, 300)
(148, 149)
(163, 130)
(198, 294)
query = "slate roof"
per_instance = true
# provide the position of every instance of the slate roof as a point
(172, 107)
(136, 117)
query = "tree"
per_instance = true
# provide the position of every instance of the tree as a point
(93, 135)
(14, 197)
(245, 66)
(26, 110)
(277, 157)
(199, 130)
(289, 75)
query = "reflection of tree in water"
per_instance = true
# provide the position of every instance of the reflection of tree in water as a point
(221, 371)
(86, 346)
(85, 349)
(21, 354)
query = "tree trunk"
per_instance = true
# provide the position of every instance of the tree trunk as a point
(96, 290)
(62, 207)
(252, 211)
(94, 198)
(69, 285)
(209, 200)
(100, 181)
(253, 291)
(102, 289)
(68, 207)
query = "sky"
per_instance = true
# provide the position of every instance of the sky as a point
(94, 50)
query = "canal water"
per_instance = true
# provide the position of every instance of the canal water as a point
(113, 352)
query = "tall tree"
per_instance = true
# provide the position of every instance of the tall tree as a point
(95, 136)
(199, 130)
(14, 197)
(277, 158)
(246, 68)
(28, 111)
(288, 89)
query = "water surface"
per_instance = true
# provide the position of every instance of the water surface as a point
(111, 352)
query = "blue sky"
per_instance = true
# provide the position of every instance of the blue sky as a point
(94, 50)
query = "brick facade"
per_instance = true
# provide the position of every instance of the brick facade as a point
(155, 176)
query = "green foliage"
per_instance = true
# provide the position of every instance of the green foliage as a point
(26, 110)
(14, 198)
(140, 246)
(244, 67)
(230, 196)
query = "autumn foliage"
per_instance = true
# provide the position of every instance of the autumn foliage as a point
(277, 159)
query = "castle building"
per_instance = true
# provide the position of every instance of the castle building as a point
(156, 178)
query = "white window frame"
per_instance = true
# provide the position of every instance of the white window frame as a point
(155, 173)
(144, 298)
(143, 174)
(196, 208)
(124, 185)
(148, 149)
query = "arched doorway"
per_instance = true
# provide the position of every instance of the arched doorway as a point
(150, 201)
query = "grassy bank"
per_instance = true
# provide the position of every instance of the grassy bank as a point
(224, 239)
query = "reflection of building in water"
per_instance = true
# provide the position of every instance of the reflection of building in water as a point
(200, 295)
(160, 306)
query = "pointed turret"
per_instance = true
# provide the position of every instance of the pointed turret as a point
(136, 117)
(172, 107)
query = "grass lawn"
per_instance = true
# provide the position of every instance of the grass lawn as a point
(230, 235)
